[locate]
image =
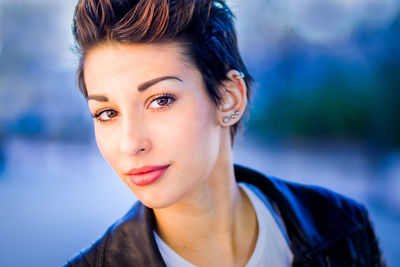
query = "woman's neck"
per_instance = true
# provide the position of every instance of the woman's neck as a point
(215, 225)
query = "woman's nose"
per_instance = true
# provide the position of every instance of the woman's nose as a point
(134, 139)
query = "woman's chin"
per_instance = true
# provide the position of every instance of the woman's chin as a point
(155, 198)
(154, 202)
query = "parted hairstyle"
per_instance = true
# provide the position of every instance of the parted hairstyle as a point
(204, 28)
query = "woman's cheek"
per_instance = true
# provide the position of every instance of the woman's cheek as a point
(191, 129)
(106, 140)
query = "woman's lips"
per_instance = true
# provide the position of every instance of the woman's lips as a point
(141, 178)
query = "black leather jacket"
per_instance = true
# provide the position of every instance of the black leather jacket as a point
(324, 229)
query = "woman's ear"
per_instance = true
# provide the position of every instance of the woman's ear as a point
(234, 98)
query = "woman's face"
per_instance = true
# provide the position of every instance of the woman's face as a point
(152, 109)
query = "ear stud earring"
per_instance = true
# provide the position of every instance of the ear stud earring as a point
(226, 119)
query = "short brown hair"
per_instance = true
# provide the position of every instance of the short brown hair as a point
(204, 27)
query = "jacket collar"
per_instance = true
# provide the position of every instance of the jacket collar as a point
(131, 238)
(313, 216)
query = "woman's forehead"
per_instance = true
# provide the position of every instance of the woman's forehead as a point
(140, 62)
(137, 54)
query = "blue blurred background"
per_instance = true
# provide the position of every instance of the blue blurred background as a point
(325, 111)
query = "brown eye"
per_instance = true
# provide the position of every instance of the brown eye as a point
(162, 101)
(106, 115)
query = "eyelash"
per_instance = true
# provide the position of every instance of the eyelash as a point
(156, 97)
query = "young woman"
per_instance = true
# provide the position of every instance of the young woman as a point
(167, 88)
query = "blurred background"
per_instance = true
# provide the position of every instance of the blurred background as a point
(325, 111)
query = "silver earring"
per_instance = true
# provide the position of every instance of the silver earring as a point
(234, 115)
(226, 119)
(240, 76)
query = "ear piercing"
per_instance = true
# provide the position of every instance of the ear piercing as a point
(240, 76)
(226, 119)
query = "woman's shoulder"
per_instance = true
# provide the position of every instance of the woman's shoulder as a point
(128, 240)
(320, 222)
(87, 257)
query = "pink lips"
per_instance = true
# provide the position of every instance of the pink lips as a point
(147, 174)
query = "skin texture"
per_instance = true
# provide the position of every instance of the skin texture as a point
(200, 211)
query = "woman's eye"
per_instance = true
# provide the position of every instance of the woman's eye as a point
(105, 115)
(162, 101)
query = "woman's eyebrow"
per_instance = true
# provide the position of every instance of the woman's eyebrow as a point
(145, 85)
(142, 87)
(100, 98)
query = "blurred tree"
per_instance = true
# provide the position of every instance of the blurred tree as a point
(343, 90)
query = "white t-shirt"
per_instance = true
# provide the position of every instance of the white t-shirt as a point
(272, 247)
